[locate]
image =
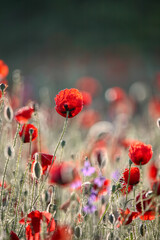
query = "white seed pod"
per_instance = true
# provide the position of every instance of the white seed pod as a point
(8, 113)
(9, 152)
(37, 170)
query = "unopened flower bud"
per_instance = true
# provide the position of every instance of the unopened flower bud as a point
(51, 208)
(31, 131)
(37, 170)
(9, 152)
(8, 113)
(2, 86)
(142, 229)
(113, 188)
(111, 218)
(63, 143)
(158, 122)
(78, 232)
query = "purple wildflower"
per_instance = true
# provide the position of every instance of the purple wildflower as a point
(89, 208)
(87, 170)
(93, 195)
(116, 175)
(99, 181)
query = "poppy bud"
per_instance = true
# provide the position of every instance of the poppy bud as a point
(63, 143)
(111, 218)
(142, 229)
(51, 208)
(9, 152)
(2, 86)
(31, 131)
(158, 122)
(46, 196)
(8, 113)
(113, 188)
(78, 232)
(37, 170)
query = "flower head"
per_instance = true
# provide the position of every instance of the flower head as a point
(24, 114)
(64, 174)
(34, 220)
(27, 131)
(133, 176)
(88, 170)
(4, 70)
(126, 216)
(140, 153)
(69, 100)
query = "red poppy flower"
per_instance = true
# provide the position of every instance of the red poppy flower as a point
(25, 133)
(64, 174)
(13, 236)
(45, 160)
(149, 206)
(69, 100)
(4, 70)
(125, 188)
(87, 99)
(62, 233)
(103, 189)
(152, 171)
(126, 217)
(156, 187)
(34, 220)
(140, 153)
(24, 114)
(134, 175)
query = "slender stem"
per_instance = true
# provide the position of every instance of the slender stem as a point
(60, 139)
(128, 184)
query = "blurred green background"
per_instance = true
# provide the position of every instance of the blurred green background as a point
(56, 42)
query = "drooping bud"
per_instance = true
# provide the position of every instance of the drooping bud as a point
(52, 208)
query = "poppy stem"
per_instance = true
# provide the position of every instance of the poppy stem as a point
(58, 144)
(128, 182)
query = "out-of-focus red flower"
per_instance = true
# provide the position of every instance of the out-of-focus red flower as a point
(89, 84)
(140, 153)
(126, 217)
(149, 206)
(34, 220)
(156, 187)
(115, 94)
(24, 114)
(87, 99)
(88, 117)
(125, 188)
(13, 236)
(152, 171)
(154, 107)
(69, 100)
(126, 143)
(25, 133)
(64, 174)
(103, 189)
(4, 70)
(62, 233)
(45, 160)
(134, 175)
